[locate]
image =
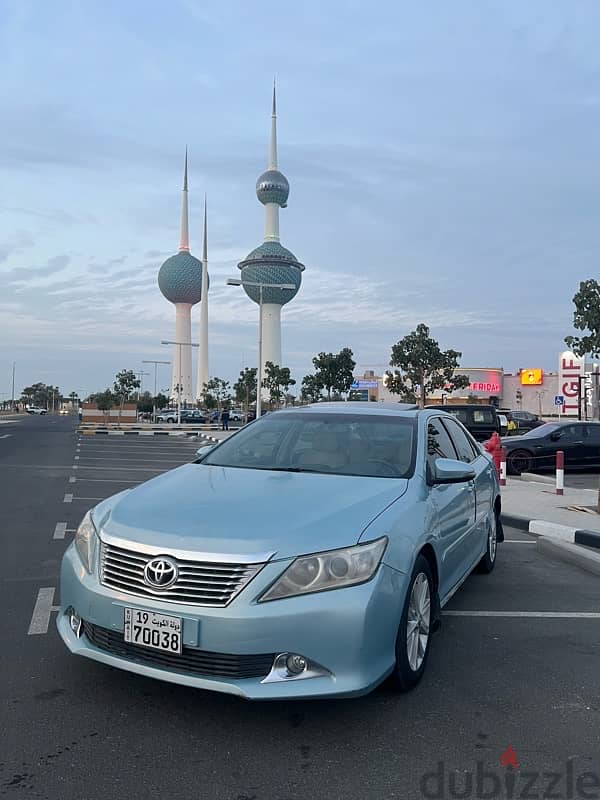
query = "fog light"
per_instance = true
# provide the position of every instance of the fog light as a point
(295, 664)
(75, 622)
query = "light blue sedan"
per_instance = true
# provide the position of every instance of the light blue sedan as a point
(309, 555)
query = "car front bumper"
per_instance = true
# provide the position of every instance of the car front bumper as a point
(349, 633)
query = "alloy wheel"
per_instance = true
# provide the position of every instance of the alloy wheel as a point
(492, 537)
(418, 621)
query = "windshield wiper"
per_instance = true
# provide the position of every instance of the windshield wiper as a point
(294, 469)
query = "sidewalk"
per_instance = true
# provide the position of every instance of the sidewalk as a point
(529, 500)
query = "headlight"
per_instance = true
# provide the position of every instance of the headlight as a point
(330, 570)
(85, 541)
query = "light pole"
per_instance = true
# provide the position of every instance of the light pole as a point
(12, 397)
(156, 363)
(180, 378)
(260, 286)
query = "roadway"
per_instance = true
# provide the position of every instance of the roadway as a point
(515, 664)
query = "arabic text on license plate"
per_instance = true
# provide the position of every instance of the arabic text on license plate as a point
(149, 629)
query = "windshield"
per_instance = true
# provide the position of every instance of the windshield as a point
(340, 444)
(543, 430)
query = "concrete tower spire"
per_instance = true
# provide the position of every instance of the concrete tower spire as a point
(203, 341)
(180, 281)
(184, 243)
(270, 266)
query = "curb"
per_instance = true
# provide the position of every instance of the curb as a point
(210, 438)
(572, 553)
(137, 433)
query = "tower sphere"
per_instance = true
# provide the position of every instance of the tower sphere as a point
(271, 263)
(273, 187)
(180, 279)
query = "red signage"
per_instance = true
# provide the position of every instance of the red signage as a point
(490, 388)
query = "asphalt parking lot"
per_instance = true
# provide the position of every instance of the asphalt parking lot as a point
(516, 665)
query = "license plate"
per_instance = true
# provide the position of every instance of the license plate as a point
(149, 629)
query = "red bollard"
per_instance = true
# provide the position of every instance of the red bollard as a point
(560, 472)
(502, 466)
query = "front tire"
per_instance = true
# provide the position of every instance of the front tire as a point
(416, 625)
(488, 560)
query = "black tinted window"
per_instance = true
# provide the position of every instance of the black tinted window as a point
(461, 441)
(439, 444)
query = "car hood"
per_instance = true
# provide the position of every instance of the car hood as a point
(225, 511)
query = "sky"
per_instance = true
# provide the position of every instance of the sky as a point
(442, 158)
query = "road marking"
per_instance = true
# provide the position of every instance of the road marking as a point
(40, 619)
(75, 499)
(75, 466)
(105, 480)
(76, 458)
(72, 479)
(68, 498)
(136, 460)
(6, 436)
(60, 530)
(532, 614)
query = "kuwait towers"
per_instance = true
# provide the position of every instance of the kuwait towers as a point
(181, 279)
(271, 264)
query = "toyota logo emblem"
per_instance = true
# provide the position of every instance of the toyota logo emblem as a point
(160, 572)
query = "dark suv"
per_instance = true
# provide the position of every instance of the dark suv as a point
(481, 421)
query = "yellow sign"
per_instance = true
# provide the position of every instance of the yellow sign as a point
(532, 377)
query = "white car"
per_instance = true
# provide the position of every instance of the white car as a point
(36, 410)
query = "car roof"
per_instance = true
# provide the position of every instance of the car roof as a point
(358, 407)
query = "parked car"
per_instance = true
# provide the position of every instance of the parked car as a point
(526, 421)
(386, 511)
(188, 416)
(36, 410)
(580, 442)
(480, 420)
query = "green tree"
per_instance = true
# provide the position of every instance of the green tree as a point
(145, 403)
(423, 367)
(244, 388)
(334, 372)
(586, 318)
(311, 389)
(216, 393)
(277, 381)
(126, 382)
(104, 400)
(161, 400)
(42, 395)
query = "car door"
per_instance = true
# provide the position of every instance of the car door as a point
(591, 444)
(476, 539)
(454, 506)
(570, 440)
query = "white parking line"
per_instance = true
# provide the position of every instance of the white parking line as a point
(60, 530)
(519, 541)
(75, 499)
(40, 619)
(72, 479)
(135, 460)
(105, 480)
(6, 436)
(532, 614)
(68, 498)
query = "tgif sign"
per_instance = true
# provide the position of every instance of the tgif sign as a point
(570, 369)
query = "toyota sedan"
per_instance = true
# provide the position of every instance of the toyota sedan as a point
(309, 555)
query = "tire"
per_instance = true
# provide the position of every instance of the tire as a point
(519, 461)
(416, 626)
(488, 560)
(170, 421)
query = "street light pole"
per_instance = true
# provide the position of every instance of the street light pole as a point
(260, 286)
(156, 363)
(12, 397)
(180, 378)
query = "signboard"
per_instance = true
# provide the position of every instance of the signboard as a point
(559, 400)
(532, 377)
(570, 370)
(490, 387)
(360, 384)
(359, 394)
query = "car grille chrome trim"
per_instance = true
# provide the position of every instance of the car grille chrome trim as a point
(198, 583)
(191, 660)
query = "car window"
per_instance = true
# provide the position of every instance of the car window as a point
(483, 416)
(461, 441)
(594, 433)
(571, 432)
(439, 444)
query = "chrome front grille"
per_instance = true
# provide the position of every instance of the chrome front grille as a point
(200, 583)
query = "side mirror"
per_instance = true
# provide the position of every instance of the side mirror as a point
(202, 452)
(555, 435)
(449, 470)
